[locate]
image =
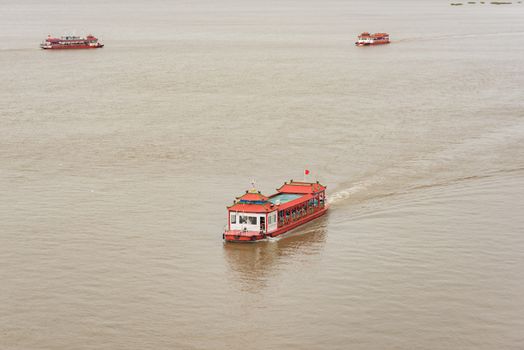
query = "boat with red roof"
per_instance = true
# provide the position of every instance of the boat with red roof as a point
(366, 39)
(254, 217)
(71, 42)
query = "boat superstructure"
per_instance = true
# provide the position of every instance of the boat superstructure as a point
(71, 42)
(254, 217)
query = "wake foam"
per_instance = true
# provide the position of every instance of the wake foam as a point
(483, 155)
(345, 194)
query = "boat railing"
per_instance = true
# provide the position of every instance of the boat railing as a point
(299, 214)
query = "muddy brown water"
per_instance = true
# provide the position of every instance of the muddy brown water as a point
(116, 166)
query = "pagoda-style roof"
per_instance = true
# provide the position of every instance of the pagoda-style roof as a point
(255, 202)
(252, 208)
(252, 201)
(301, 187)
(252, 196)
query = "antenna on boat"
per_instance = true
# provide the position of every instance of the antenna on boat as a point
(253, 188)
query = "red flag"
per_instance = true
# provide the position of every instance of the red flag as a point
(306, 172)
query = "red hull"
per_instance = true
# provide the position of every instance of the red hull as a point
(247, 237)
(377, 43)
(71, 47)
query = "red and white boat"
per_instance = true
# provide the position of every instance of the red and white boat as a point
(71, 42)
(254, 217)
(366, 39)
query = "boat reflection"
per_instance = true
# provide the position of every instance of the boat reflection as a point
(253, 264)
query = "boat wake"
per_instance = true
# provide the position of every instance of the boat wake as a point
(344, 194)
(453, 36)
(490, 154)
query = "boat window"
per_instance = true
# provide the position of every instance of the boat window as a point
(233, 218)
(252, 220)
(242, 219)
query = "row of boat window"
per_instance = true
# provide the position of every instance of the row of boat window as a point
(295, 212)
(251, 220)
(244, 219)
(74, 42)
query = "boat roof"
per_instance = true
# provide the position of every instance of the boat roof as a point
(69, 37)
(287, 196)
(251, 196)
(252, 201)
(374, 34)
(301, 187)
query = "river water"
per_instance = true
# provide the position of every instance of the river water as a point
(116, 166)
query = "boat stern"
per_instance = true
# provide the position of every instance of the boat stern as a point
(243, 236)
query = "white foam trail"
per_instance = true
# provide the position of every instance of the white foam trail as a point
(346, 193)
(454, 36)
(443, 165)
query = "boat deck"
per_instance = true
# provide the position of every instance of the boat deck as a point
(284, 197)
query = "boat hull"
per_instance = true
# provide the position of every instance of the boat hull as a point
(372, 44)
(252, 237)
(71, 47)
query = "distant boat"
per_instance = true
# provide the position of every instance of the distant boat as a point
(366, 39)
(71, 42)
(254, 217)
